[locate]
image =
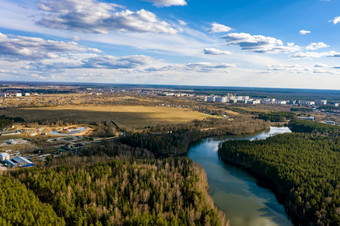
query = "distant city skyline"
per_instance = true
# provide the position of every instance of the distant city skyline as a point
(247, 43)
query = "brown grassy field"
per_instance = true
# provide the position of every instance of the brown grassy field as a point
(125, 116)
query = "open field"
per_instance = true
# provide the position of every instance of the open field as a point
(125, 116)
(45, 100)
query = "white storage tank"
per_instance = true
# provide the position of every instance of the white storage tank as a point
(4, 156)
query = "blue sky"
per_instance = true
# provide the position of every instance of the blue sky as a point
(256, 43)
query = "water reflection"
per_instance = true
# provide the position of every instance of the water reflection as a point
(234, 191)
(70, 133)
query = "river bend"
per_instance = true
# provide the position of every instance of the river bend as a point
(233, 190)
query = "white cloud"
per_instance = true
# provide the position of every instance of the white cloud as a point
(208, 67)
(303, 69)
(75, 38)
(167, 3)
(336, 20)
(94, 62)
(12, 18)
(30, 48)
(202, 67)
(333, 54)
(36, 76)
(315, 54)
(321, 65)
(183, 23)
(68, 6)
(218, 28)
(213, 51)
(98, 17)
(308, 55)
(188, 43)
(316, 45)
(296, 68)
(303, 32)
(325, 66)
(111, 62)
(259, 43)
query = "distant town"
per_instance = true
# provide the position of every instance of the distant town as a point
(45, 95)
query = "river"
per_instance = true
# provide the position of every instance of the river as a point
(233, 190)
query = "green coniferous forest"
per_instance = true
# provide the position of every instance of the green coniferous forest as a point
(158, 192)
(20, 206)
(302, 168)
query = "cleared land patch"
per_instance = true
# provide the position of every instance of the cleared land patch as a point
(125, 116)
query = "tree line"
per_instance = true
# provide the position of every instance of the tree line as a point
(276, 116)
(306, 126)
(7, 121)
(303, 109)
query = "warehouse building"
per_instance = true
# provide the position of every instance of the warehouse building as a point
(9, 163)
(22, 161)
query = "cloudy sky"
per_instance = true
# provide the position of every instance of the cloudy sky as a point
(256, 43)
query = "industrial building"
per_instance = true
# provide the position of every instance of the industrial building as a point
(221, 99)
(9, 163)
(209, 99)
(281, 102)
(307, 103)
(227, 99)
(255, 102)
(22, 161)
(321, 102)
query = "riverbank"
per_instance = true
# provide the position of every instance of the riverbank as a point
(287, 165)
(204, 187)
(268, 184)
(233, 190)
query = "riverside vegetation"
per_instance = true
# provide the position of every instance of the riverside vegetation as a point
(175, 140)
(169, 140)
(302, 168)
